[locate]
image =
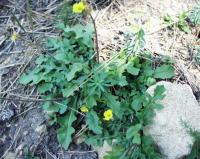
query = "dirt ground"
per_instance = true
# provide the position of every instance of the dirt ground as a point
(23, 124)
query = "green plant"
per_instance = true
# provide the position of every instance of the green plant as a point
(168, 20)
(121, 86)
(195, 152)
(96, 99)
(182, 24)
(29, 155)
(194, 16)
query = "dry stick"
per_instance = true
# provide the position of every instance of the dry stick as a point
(25, 111)
(30, 14)
(54, 157)
(32, 100)
(7, 48)
(79, 133)
(9, 90)
(11, 65)
(29, 96)
(0, 82)
(96, 37)
(15, 18)
(80, 152)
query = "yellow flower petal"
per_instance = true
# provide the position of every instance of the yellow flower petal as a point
(14, 36)
(79, 7)
(84, 109)
(108, 115)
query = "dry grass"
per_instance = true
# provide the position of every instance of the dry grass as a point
(33, 26)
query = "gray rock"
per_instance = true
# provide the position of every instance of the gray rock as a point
(169, 129)
(102, 151)
(32, 130)
(10, 155)
(6, 114)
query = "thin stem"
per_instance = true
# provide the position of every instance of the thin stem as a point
(18, 22)
(96, 37)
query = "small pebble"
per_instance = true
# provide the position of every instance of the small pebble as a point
(6, 114)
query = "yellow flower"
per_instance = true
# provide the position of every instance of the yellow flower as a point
(14, 36)
(108, 115)
(84, 109)
(79, 7)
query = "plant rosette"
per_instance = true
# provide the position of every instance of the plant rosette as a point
(111, 101)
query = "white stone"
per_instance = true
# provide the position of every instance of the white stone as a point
(168, 129)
